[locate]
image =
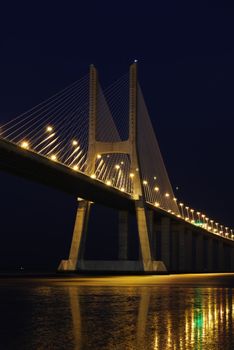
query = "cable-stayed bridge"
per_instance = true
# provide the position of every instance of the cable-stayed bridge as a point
(100, 146)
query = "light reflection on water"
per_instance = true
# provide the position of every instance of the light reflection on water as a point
(66, 314)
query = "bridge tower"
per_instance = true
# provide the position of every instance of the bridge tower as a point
(130, 147)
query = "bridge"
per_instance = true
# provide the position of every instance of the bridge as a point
(100, 146)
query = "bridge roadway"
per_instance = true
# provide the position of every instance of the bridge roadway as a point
(32, 166)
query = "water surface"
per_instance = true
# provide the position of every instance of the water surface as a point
(131, 312)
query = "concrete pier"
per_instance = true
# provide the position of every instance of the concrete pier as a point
(165, 241)
(123, 235)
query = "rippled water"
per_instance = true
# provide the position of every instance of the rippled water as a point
(147, 312)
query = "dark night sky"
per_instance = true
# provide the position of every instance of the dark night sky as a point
(186, 70)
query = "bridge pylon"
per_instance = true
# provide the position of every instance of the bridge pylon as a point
(96, 147)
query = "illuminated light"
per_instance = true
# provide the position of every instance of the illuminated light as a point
(157, 204)
(192, 210)
(24, 144)
(155, 177)
(75, 143)
(169, 210)
(93, 176)
(178, 216)
(131, 175)
(181, 204)
(53, 157)
(173, 212)
(192, 221)
(49, 128)
(75, 167)
(80, 199)
(99, 156)
(226, 234)
(186, 208)
(117, 166)
(156, 189)
(145, 182)
(122, 162)
(198, 213)
(108, 182)
(174, 199)
(187, 219)
(122, 189)
(137, 169)
(167, 195)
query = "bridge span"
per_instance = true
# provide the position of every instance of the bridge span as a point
(93, 163)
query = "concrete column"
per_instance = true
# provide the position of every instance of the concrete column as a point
(143, 232)
(123, 235)
(221, 265)
(174, 246)
(182, 248)
(188, 251)
(165, 241)
(199, 253)
(78, 238)
(210, 248)
(232, 259)
(151, 233)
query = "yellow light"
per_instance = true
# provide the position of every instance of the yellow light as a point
(167, 195)
(156, 189)
(155, 177)
(169, 210)
(108, 182)
(157, 204)
(75, 143)
(49, 128)
(187, 219)
(24, 144)
(131, 175)
(53, 157)
(93, 176)
(75, 167)
(99, 156)
(145, 182)
(181, 204)
(117, 166)
(122, 162)
(175, 199)
(122, 189)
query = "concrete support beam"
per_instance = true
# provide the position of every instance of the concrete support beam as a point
(232, 259)
(123, 235)
(78, 238)
(221, 265)
(150, 215)
(143, 232)
(188, 251)
(182, 249)
(210, 252)
(199, 267)
(165, 242)
(174, 250)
